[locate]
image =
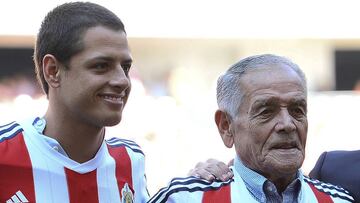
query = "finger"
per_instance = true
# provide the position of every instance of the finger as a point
(212, 169)
(203, 174)
(219, 169)
(229, 173)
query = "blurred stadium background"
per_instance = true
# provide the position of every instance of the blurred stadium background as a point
(180, 48)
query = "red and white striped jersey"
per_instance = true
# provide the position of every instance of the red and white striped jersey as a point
(32, 171)
(195, 190)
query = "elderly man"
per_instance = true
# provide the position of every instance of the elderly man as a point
(262, 112)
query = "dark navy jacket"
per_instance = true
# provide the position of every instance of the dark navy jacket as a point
(340, 168)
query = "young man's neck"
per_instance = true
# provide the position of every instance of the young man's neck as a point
(81, 141)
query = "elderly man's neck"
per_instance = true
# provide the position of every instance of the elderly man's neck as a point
(281, 182)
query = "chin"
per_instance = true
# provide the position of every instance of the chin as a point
(111, 120)
(112, 124)
(288, 169)
(287, 164)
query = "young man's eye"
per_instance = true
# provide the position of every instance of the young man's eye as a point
(100, 66)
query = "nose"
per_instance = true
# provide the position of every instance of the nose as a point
(285, 122)
(119, 79)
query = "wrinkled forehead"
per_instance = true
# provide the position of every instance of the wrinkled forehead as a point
(270, 80)
(271, 73)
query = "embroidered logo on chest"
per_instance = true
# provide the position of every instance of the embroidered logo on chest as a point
(126, 194)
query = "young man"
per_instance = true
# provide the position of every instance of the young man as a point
(263, 113)
(82, 61)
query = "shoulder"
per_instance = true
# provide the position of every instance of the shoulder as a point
(329, 161)
(9, 131)
(187, 189)
(341, 154)
(338, 155)
(322, 188)
(335, 158)
(128, 144)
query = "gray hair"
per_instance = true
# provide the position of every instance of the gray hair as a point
(228, 93)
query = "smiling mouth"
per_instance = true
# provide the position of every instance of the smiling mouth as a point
(112, 98)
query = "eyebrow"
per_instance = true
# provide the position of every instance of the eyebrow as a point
(265, 102)
(298, 101)
(107, 58)
(127, 61)
(273, 101)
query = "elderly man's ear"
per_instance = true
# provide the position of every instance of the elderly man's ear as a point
(223, 122)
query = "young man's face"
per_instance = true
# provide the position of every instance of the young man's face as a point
(97, 85)
(271, 127)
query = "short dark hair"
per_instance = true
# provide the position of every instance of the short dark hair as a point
(62, 30)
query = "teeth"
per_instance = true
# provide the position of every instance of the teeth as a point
(112, 98)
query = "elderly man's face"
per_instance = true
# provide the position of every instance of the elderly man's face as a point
(271, 127)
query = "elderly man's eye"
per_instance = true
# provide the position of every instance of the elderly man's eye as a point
(298, 112)
(267, 112)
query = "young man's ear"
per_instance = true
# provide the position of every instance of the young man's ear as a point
(223, 122)
(51, 70)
